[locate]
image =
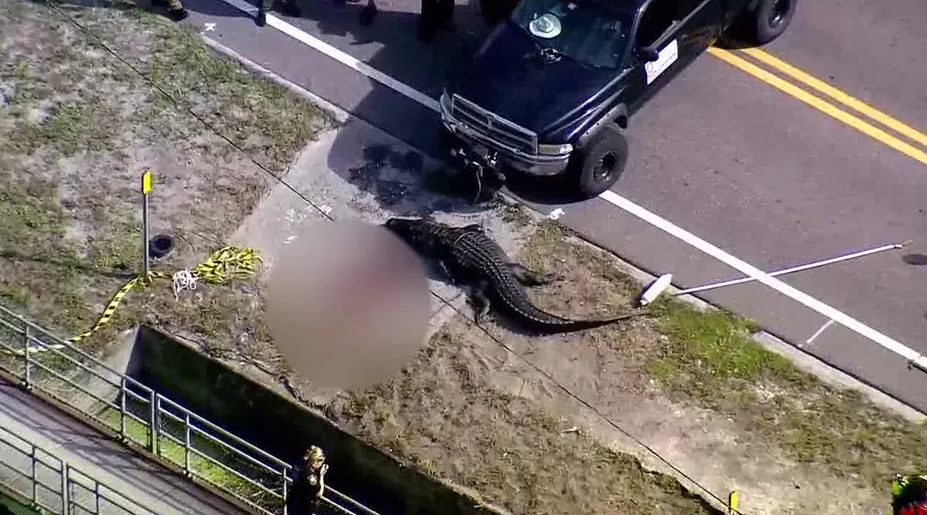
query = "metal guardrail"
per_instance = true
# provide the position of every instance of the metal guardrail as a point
(135, 412)
(54, 486)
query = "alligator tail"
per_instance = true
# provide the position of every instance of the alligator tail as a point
(570, 326)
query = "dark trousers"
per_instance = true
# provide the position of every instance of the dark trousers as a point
(494, 11)
(434, 15)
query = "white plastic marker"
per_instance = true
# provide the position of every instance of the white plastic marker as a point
(611, 197)
(914, 357)
(818, 332)
(556, 214)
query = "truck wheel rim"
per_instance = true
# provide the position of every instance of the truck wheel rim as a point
(777, 14)
(605, 167)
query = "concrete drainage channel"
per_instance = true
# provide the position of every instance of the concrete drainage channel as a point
(151, 377)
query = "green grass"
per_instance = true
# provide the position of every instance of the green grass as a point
(712, 352)
(80, 125)
(201, 467)
(708, 358)
(14, 507)
(711, 360)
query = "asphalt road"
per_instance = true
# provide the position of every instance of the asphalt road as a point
(721, 153)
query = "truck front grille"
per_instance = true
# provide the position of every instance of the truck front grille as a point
(492, 126)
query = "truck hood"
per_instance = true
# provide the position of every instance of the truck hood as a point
(508, 77)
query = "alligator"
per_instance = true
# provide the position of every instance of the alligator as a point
(469, 257)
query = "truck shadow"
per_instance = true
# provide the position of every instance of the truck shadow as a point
(424, 67)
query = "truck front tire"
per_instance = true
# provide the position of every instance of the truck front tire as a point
(766, 22)
(598, 165)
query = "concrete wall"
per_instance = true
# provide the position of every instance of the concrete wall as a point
(285, 428)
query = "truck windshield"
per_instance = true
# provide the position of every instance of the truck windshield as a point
(583, 30)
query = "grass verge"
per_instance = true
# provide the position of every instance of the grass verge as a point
(208, 460)
(77, 128)
(708, 359)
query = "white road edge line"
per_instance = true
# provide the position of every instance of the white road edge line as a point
(915, 358)
(747, 269)
(352, 62)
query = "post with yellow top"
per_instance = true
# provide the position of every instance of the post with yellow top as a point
(146, 189)
(732, 503)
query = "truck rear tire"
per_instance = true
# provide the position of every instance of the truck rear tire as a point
(599, 164)
(765, 23)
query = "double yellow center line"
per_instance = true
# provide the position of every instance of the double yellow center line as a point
(892, 140)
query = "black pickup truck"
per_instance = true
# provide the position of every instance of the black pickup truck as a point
(551, 89)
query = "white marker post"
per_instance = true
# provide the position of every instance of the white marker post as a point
(146, 189)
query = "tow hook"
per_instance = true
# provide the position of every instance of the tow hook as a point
(485, 168)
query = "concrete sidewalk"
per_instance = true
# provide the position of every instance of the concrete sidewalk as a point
(137, 484)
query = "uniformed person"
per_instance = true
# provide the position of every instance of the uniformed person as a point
(309, 486)
(175, 9)
(435, 15)
(909, 495)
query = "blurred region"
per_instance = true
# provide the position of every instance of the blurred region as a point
(348, 304)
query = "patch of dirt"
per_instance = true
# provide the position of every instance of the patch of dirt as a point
(689, 384)
(447, 419)
(77, 129)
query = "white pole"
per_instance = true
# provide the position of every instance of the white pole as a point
(799, 268)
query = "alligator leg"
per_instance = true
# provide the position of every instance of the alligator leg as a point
(447, 272)
(479, 300)
(530, 277)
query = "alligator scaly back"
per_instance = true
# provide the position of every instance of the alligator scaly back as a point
(470, 257)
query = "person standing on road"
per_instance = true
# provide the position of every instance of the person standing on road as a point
(909, 495)
(435, 15)
(309, 486)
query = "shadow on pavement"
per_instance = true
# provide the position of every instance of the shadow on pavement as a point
(915, 259)
(390, 46)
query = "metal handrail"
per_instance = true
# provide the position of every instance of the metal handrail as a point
(263, 480)
(63, 489)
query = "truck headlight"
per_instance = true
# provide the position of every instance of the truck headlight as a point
(555, 150)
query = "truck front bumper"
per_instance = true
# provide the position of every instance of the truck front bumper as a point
(456, 134)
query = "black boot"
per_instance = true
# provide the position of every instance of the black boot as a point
(288, 8)
(367, 14)
(177, 14)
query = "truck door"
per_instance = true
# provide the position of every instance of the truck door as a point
(679, 30)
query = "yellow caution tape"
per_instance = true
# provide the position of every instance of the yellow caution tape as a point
(110, 309)
(222, 265)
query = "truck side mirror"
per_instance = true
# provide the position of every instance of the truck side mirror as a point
(648, 54)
